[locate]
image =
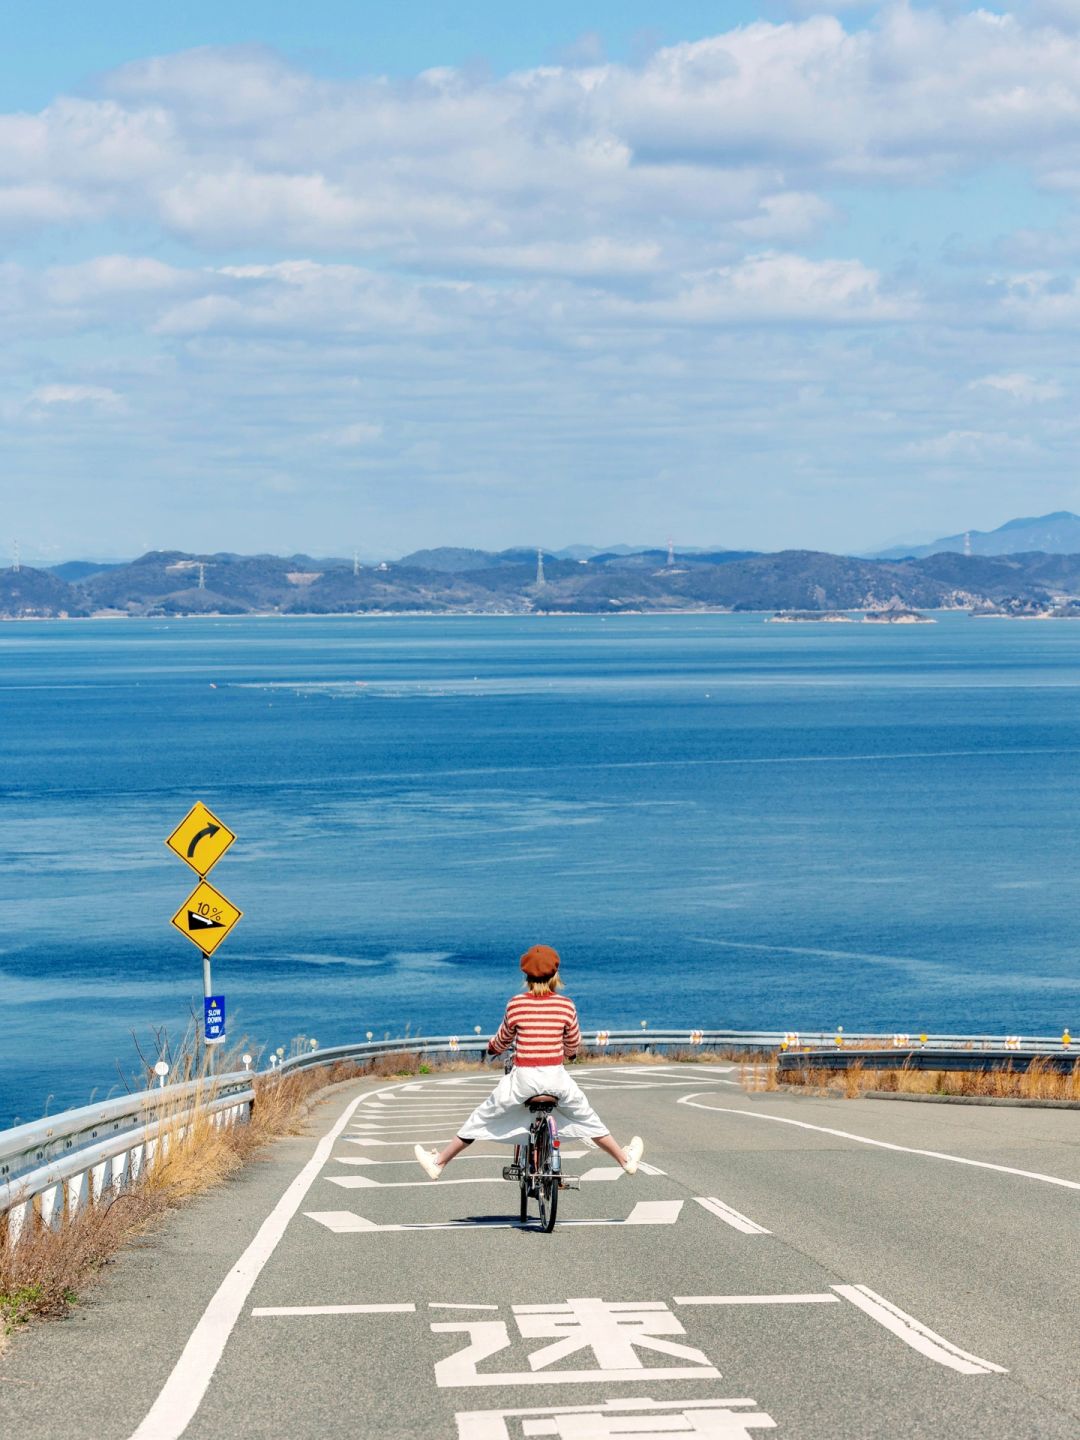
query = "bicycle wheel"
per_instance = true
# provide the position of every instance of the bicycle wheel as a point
(521, 1157)
(547, 1183)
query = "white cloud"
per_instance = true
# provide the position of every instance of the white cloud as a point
(962, 446)
(1020, 387)
(94, 397)
(773, 286)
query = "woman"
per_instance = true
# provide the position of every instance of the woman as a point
(542, 1025)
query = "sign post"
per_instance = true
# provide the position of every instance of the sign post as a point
(206, 916)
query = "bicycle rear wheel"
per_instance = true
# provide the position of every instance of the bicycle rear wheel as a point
(521, 1158)
(547, 1183)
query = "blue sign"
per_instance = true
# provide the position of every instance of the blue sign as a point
(213, 1018)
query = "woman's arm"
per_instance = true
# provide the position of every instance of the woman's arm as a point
(503, 1037)
(571, 1035)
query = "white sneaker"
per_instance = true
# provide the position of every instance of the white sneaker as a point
(428, 1161)
(633, 1154)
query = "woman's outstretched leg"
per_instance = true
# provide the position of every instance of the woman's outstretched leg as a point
(627, 1158)
(434, 1164)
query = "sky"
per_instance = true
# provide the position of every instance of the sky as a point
(353, 276)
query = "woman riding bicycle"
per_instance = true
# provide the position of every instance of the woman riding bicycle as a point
(542, 1025)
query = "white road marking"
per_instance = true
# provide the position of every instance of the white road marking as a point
(602, 1172)
(420, 1140)
(884, 1144)
(612, 1331)
(293, 1310)
(757, 1300)
(729, 1216)
(914, 1333)
(492, 1159)
(455, 1305)
(365, 1182)
(719, 1419)
(347, 1222)
(182, 1393)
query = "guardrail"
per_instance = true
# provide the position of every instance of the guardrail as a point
(65, 1161)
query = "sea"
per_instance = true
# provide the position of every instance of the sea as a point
(718, 822)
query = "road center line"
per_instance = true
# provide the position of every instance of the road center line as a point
(884, 1144)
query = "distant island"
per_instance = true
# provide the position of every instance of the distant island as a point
(800, 586)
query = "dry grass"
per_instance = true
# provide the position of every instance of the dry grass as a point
(48, 1270)
(1041, 1081)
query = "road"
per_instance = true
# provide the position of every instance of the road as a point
(823, 1269)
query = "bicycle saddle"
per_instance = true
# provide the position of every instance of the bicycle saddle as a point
(538, 1101)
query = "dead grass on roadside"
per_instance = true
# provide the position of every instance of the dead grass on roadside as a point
(1041, 1081)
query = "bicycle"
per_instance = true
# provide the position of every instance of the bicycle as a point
(537, 1163)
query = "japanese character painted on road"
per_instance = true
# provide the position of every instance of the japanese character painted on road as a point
(612, 1332)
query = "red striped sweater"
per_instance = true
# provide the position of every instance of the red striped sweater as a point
(543, 1029)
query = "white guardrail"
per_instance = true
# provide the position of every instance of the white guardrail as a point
(61, 1163)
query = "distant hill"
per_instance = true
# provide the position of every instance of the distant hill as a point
(450, 580)
(75, 570)
(1055, 534)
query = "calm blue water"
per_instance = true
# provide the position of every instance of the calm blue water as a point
(717, 821)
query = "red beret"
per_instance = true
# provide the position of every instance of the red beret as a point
(540, 962)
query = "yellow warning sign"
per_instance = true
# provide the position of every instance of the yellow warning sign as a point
(200, 839)
(206, 917)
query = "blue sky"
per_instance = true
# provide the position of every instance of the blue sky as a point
(335, 276)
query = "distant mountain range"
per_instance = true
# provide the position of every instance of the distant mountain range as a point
(449, 580)
(1056, 534)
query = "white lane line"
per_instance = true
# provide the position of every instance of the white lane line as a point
(369, 1140)
(757, 1300)
(182, 1393)
(365, 1182)
(491, 1159)
(347, 1222)
(729, 1216)
(456, 1305)
(291, 1310)
(914, 1333)
(883, 1144)
(602, 1172)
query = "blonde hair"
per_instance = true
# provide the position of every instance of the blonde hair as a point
(544, 987)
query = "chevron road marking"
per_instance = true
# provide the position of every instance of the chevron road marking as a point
(365, 1182)
(347, 1222)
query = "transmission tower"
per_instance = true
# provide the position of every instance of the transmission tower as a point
(202, 575)
(967, 542)
(540, 568)
(355, 563)
(16, 565)
(670, 552)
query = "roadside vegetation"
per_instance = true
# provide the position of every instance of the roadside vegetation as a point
(1040, 1082)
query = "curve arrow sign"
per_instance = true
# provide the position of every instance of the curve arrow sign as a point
(205, 833)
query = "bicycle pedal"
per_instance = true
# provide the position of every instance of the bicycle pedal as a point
(570, 1183)
(511, 1172)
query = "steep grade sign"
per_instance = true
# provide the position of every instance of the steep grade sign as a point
(200, 839)
(206, 917)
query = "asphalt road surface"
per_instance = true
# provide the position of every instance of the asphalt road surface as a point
(822, 1269)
